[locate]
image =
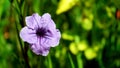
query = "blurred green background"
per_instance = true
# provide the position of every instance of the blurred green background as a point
(89, 29)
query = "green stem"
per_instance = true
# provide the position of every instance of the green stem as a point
(19, 38)
(49, 61)
(24, 50)
(79, 60)
(71, 61)
(100, 60)
(25, 55)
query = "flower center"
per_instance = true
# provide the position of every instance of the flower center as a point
(41, 32)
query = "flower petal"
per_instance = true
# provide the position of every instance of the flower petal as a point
(28, 35)
(56, 39)
(53, 38)
(33, 21)
(40, 49)
(46, 18)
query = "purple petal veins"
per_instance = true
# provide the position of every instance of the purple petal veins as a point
(40, 33)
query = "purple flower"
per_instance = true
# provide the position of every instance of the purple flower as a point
(40, 33)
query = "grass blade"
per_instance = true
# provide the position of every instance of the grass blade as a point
(71, 61)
